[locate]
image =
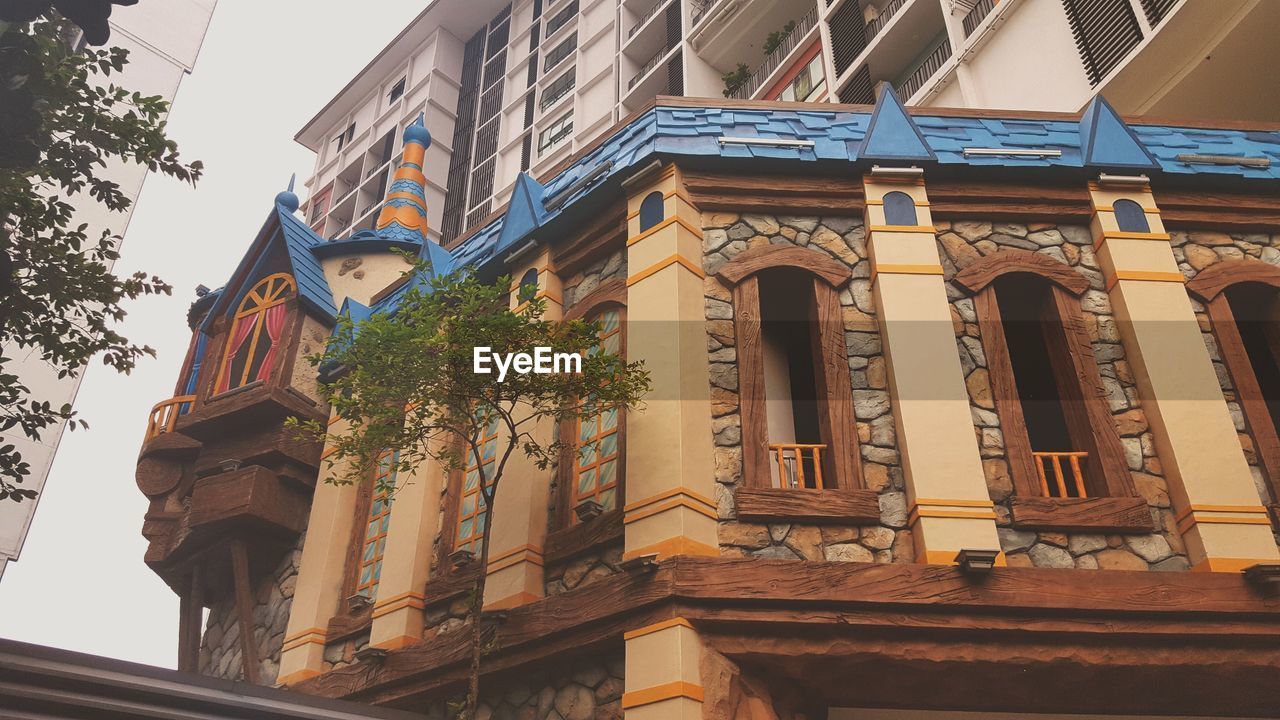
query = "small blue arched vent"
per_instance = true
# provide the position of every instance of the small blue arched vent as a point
(899, 209)
(1130, 216)
(651, 210)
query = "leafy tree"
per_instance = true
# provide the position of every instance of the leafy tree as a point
(406, 382)
(62, 121)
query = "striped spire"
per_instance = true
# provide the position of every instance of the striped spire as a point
(404, 215)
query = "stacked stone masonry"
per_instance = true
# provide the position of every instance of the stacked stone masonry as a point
(220, 647)
(725, 235)
(584, 689)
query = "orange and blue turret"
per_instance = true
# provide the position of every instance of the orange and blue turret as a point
(404, 215)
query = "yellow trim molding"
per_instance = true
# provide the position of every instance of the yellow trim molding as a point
(657, 627)
(666, 691)
(679, 545)
(676, 259)
(668, 494)
(637, 515)
(673, 220)
(1144, 275)
(922, 229)
(903, 269)
(948, 557)
(1226, 565)
(398, 643)
(298, 676)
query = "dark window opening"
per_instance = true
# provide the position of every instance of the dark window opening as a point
(1130, 217)
(651, 210)
(788, 338)
(397, 91)
(528, 285)
(1025, 306)
(899, 209)
(1254, 307)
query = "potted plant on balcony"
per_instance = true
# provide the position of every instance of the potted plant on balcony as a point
(777, 37)
(733, 81)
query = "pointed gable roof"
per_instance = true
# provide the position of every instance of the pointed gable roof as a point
(284, 231)
(525, 213)
(892, 134)
(1107, 142)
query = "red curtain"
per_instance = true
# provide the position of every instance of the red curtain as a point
(241, 332)
(275, 324)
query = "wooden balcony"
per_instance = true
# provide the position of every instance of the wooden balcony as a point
(1063, 486)
(164, 416)
(799, 466)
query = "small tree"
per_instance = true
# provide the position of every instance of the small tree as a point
(407, 382)
(62, 121)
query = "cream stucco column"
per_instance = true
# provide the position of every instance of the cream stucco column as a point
(317, 594)
(670, 472)
(662, 676)
(950, 509)
(1221, 520)
(406, 561)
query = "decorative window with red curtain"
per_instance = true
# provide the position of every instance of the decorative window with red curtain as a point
(254, 341)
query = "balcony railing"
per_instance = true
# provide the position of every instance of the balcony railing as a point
(875, 26)
(165, 415)
(649, 65)
(1060, 480)
(645, 18)
(701, 8)
(775, 58)
(925, 70)
(979, 13)
(792, 460)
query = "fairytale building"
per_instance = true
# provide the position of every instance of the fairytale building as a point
(953, 412)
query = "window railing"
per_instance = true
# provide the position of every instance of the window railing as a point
(775, 58)
(792, 459)
(701, 8)
(979, 13)
(1060, 480)
(925, 70)
(165, 415)
(875, 26)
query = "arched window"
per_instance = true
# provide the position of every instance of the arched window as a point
(1130, 217)
(599, 455)
(373, 531)
(529, 278)
(1242, 298)
(651, 210)
(899, 209)
(798, 428)
(469, 535)
(253, 344)
(1058, 430)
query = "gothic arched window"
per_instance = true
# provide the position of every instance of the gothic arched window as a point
(376, 519)
(253, 344)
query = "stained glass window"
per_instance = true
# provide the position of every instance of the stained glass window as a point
(471, 509)
(595, 475)
(374, 545)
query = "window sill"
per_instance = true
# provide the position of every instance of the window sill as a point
(348, 625)
(1104, 514)
(236, 391)
(845, 507)
(584, 537)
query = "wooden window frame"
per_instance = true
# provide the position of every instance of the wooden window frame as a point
(348, 623)
(242, 311)
(1121, 509)
(1210, 286)
(567, 537)
(846, 500)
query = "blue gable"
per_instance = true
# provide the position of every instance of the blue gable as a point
(1106, 142)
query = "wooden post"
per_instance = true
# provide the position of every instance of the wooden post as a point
(244, 611)
(190, 616)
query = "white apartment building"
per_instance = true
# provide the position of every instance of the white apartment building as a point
(520, 86)
(163, 40)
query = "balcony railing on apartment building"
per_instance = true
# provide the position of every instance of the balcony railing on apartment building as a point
(925, 70)
(792, 459)
(875, 26)
(701, 8)
(1055, 460)
(775, 58)
(645, 18)
(650, 64)
(979, 13)
(164, 416)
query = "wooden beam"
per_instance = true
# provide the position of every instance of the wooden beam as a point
(979, 275)
(843, 506)
(751, 400)
(244, 610)
(750, 262)
(1100, 514)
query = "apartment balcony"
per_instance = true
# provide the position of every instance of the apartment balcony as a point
(979, 13)
(887, 41)
(727, 33)
(649, 36)
(934, 61)
(803, 33)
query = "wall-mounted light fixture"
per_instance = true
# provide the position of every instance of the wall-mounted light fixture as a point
(977, 562)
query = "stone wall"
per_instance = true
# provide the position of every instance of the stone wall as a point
(220, 653)
(583, 569)
(963, 243)
(583, 689)
(725, 235)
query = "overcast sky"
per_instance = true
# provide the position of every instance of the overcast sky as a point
(265, 69)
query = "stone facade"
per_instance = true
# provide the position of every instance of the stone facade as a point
(582, 283)
(583, 569)
(583, 689)
(725, 235)
(963, 243)
(220, 653)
